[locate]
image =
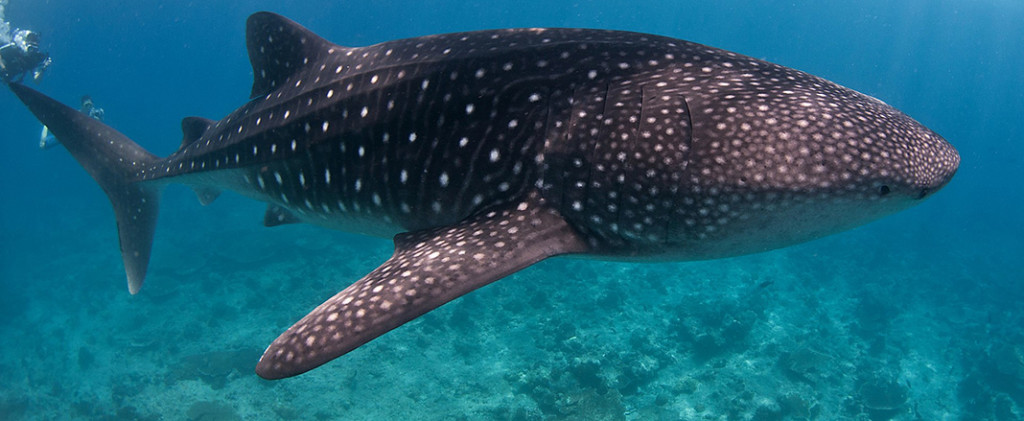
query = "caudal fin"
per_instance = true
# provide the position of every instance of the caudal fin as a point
(115, 162)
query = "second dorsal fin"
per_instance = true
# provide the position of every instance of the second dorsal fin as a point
(192, 128)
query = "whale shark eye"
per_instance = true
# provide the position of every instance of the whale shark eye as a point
(884, 190)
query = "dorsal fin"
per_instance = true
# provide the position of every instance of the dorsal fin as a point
(278, 48)
(192, 128)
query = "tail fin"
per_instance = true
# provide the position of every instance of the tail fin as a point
(115, 162)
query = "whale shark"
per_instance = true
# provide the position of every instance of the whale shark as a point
(482, 153)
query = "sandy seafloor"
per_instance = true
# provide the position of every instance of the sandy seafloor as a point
(914, 317)
(856, 326)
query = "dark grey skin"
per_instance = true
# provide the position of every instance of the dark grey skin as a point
(485, 152)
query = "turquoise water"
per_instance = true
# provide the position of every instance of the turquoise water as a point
(916, 316)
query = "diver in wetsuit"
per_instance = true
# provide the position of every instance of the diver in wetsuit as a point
(22, 56)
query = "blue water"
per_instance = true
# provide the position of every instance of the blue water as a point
(916, 316)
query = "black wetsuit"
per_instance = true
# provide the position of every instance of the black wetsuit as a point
(15, 62)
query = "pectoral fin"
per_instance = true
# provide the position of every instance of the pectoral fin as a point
(428, 269)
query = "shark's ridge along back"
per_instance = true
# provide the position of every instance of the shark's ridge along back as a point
(482, 153)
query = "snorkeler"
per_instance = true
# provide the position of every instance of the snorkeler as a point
(22, 56)
(46, 139)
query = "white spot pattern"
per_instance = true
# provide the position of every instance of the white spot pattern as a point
(646, 146)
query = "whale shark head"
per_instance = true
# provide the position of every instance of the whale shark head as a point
(800, 160)
(816, 158)
(711, 154)
(836, 159)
